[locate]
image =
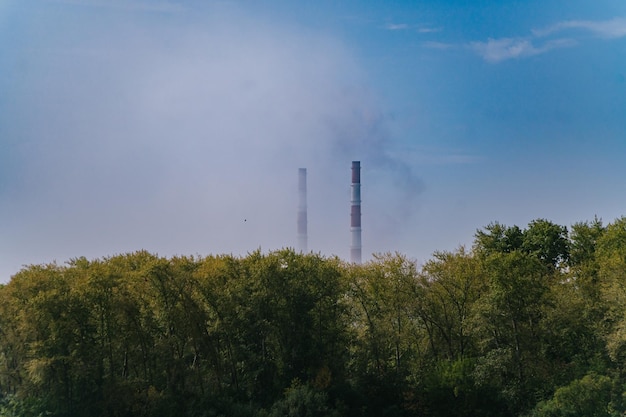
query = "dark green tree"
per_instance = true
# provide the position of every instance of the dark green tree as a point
(547, 241)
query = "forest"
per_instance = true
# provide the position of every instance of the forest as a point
(530, 321)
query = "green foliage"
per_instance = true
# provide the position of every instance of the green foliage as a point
(383, 304)
(498, 238)
(546, 241)
(450, 286)
(529, 322)
(584, 238)
(452, 388)
(302, 400)
(589, 396)
(11, 406)
(543, 240)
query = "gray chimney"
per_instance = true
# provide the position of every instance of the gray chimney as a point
(355, 213)
(302, 211)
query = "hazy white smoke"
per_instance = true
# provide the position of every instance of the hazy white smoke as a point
(182, 137)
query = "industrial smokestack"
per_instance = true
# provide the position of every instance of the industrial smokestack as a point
(302, 211)
(355, 213)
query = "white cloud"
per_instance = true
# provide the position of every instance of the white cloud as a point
(418, 29)
(612, 28)
(502, 49)
(397, 26)
(497, 50)
(429, 30)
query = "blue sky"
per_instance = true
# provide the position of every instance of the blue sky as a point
(178, 126)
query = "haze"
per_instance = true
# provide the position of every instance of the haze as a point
(178, 127)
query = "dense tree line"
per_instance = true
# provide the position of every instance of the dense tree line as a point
(527, 322)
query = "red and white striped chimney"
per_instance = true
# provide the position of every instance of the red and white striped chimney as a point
(355, 213)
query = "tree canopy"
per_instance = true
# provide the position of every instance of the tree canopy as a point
(528, 322)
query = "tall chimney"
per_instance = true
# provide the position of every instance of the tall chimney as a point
(302, 211)
(355, 213)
